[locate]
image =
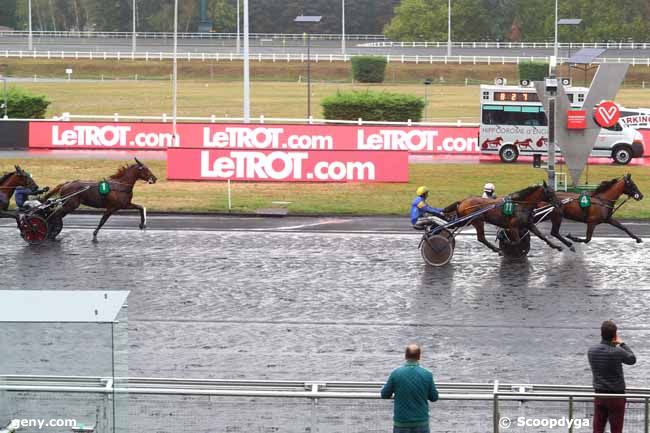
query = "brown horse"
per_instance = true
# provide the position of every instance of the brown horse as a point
(525, 202)
(8, 184)
(119, 197)
(601, 210)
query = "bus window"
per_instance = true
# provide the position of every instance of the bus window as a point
(616, 127)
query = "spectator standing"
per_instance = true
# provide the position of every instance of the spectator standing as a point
(606, 360)
(413, 387)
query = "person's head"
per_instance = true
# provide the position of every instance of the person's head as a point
(608, 330)
(412, 352)
(489, 188)
(422, 191)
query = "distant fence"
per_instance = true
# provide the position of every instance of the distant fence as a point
(293, 57)
(202, 405)
(186, 35)
(514, 45)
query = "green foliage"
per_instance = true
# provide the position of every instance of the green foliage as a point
(377, 106)
(533, 71)
(24, 105)
(369, 69)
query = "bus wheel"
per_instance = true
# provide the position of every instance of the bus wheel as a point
(508, 153)
(622, 154)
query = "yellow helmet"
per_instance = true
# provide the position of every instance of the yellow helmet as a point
(422, 190)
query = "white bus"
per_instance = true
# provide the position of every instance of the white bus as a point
(513, 123)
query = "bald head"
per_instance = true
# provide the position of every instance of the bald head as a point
(412, 352)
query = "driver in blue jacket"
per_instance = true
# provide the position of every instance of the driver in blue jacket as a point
(422, 214)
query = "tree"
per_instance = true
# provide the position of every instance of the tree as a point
(418, 20)
(223, 14)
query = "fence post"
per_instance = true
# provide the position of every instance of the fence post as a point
(570, 414)
(495, 408)
(646, 426)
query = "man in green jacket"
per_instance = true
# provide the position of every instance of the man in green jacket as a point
(412, 386)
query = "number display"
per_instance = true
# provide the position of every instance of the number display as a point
(516, 97)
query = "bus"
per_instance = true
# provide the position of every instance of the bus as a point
(513, 123)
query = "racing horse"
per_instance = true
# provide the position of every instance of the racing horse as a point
(525, 201)
(601, 209)
(118, 197)
(8, 184)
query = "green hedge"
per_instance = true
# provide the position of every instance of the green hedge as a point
(533, 71)
(369, 69)
(24, 105)
(378, 106)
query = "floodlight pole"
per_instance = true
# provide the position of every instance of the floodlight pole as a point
(30, 37)
(238, 30)
(175, 75)
(133, 46)
(343, 27)
(449, 28)
(247, 84)
(308, 76)
(555, 53)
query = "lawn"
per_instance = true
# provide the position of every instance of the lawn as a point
(272, 99)
(448, 182)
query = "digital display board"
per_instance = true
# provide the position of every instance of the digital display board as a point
(516, 97)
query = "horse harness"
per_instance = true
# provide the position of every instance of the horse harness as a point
(115, 186)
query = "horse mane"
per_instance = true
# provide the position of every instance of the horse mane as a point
(6, 176)
(524, 192)
(120, 172)
(604, 186)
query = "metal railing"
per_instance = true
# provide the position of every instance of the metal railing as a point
(185, 35)
(294, 57)
(494, 394)
(512, 45)
(165, 118)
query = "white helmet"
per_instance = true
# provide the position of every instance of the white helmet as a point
(489, 187)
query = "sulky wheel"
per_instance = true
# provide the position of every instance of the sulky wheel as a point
(514, 250)
(437, 250)
(33, 229)
(55, 225)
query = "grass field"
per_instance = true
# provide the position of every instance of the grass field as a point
(448, 183)
(271, 99)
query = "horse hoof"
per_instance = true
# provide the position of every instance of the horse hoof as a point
(142, 226)
(638, 241)
(572, 248)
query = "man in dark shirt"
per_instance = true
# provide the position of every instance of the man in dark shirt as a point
(413, 386)
(606, 361)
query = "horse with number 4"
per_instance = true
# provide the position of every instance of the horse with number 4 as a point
(594, 208)
(112, 194)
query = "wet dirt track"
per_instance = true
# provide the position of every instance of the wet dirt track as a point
(340, 306)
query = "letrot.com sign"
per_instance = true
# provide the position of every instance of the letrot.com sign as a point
(287, 165)
(158, 136)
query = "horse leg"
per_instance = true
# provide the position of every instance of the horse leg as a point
(143, 214)
(556, 220)
(107, 214)
(533, 228)
(590, 233)
(480, 235)
(620, 226)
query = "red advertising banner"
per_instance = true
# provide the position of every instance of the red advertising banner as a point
(287, 166)
(158, 136)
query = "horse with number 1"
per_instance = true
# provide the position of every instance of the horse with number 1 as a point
(112, 194)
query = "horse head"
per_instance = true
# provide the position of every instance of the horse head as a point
(25, 179)
(144, 173)
(631, 189)
(549, 195)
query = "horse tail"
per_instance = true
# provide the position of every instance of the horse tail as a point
(54, 191)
